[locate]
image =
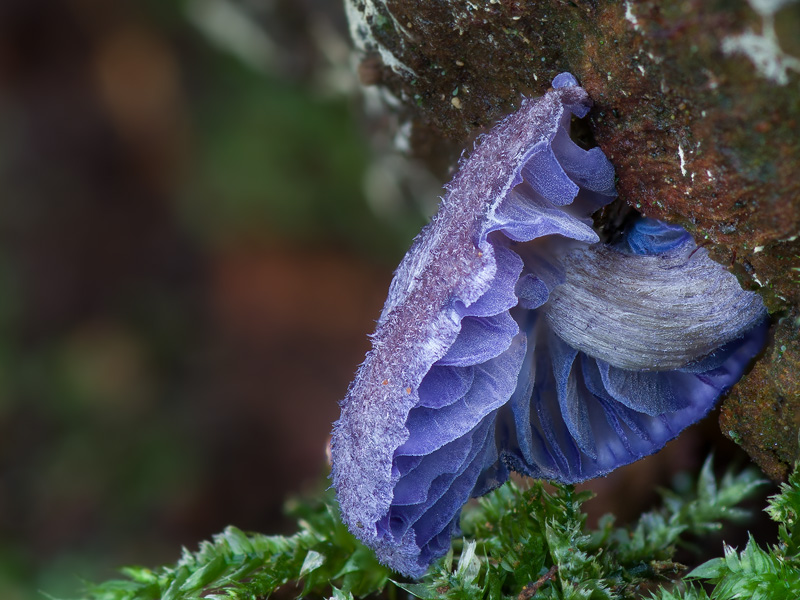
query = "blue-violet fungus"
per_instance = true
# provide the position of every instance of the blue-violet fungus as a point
(513, 340)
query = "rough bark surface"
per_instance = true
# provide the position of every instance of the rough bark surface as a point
(697, 104)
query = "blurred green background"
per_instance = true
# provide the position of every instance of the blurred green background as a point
(188, 269)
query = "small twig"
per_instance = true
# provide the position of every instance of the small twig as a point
(529, 591)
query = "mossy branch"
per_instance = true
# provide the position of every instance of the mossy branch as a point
(518, 544)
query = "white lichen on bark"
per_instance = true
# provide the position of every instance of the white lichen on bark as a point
(764, 48)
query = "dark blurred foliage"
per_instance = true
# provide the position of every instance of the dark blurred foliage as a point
(189, 266)
(188, 269)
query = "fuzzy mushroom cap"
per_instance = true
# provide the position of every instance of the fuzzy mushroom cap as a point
(513, 340)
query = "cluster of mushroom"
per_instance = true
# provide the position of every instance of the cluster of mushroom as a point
(513, 339)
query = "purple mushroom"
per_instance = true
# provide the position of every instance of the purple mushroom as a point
(513, 339)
